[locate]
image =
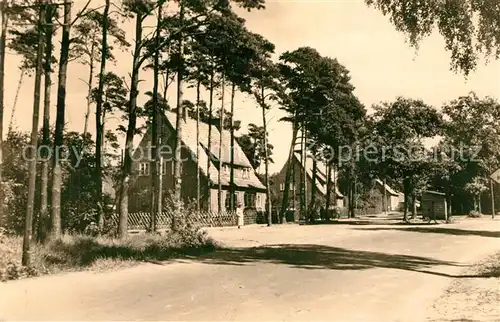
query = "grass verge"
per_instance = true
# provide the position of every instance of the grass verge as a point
(473, 298)
(79, 252)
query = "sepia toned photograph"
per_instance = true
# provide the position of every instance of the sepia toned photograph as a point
(250, 160)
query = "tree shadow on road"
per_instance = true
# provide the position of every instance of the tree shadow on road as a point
(440, 230)
(325, 257)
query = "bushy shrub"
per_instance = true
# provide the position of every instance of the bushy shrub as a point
(474, 214)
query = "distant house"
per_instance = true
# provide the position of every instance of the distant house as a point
(249, 190)
(278, 186)
(392, 196)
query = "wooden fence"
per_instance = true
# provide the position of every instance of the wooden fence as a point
(139, 221)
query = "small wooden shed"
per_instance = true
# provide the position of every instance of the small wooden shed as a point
(434, 205)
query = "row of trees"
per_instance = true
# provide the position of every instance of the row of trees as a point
(205, 45)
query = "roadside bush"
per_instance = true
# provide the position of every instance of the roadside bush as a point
(474, 214)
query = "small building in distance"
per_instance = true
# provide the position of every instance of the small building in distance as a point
(434, 205)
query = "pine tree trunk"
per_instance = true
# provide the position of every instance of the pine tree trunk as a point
(384, 201)
(99, 119)
(129, 140)
(406, 189)
(414, 205)
(289, 165)
(492, 196)
(3, 42)
(306, 208)
(60, 117)
(266, 163)
(231, 122)
(328, 190)
(155, 174)
(221, 129)
(480, 202)
(179, 123)
(30, 204)
(302, 176)
(209, 145)
(89, 85)
(313, 187)
(334, 186)
(44, 179)
(198, 181)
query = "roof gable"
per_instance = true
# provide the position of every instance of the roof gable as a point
(320, 174)
(240, 159)
(387, 188)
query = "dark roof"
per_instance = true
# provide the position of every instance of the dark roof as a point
(240, 159)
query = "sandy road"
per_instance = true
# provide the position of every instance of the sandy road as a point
(329, 272)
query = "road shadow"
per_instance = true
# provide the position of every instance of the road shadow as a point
(441, 230)
(314, 257)
(373, 222)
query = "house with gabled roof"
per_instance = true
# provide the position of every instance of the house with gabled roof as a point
(249, 190)
(297, 168)
(392, 196)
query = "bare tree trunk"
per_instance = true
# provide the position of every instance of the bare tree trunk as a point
(16, 97)
(313, 187)
(198, 183)
(384, 200)
(406, 192)
(221, 129)
(61, 108)
(30, 205)
(209, 145)
(179, 123)
(129, 140)
(414, 205)
(44, 180)
(306, 208)
(302, 175)
(154, 130)
(3, 42)
(334, 186)
(266, 163)
(289, 165)
(480, 203)
(328, 189)
(231, 178)
(89, 83)
(99, 121)
(492, 194)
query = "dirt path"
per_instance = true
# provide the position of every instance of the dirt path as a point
(330, 272)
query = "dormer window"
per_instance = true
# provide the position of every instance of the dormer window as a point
(245, 173)
(144, 168)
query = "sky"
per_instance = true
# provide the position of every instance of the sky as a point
(382, 66)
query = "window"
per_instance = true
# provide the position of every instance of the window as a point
(163, 168)
(246, 173)
(249, 200)
(228, 201)
(282, 187)
(225, 168)
(144, 169)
